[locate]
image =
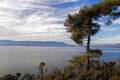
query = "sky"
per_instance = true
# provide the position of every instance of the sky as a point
(43, 20)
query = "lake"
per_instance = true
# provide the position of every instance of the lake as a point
(26, 59)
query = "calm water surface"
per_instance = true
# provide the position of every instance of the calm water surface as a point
(26, 59)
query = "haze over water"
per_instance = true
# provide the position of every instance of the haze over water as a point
(26, 59)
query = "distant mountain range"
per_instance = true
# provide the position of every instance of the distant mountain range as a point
(46, 43)
(32, 43)
(107, 45)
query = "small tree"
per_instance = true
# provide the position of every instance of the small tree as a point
(42, 70)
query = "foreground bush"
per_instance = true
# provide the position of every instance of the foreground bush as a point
(73, 71)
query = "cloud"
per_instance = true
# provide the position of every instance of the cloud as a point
(37, 19)
(117, 21)
(107, 40)
(34, 20)
(109, 29)
(51, 2)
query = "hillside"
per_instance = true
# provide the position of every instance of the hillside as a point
(31, 43)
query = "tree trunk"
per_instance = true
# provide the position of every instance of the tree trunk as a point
(87, 53)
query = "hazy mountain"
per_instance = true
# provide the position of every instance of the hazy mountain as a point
(107, 45)
(31, 43)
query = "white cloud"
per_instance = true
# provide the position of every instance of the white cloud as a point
(34, 20)
(117, 21)
(105, 29)
(107, 40)
(51, 2)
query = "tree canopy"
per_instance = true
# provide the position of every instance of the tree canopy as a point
(84, 23)
(79, 25)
